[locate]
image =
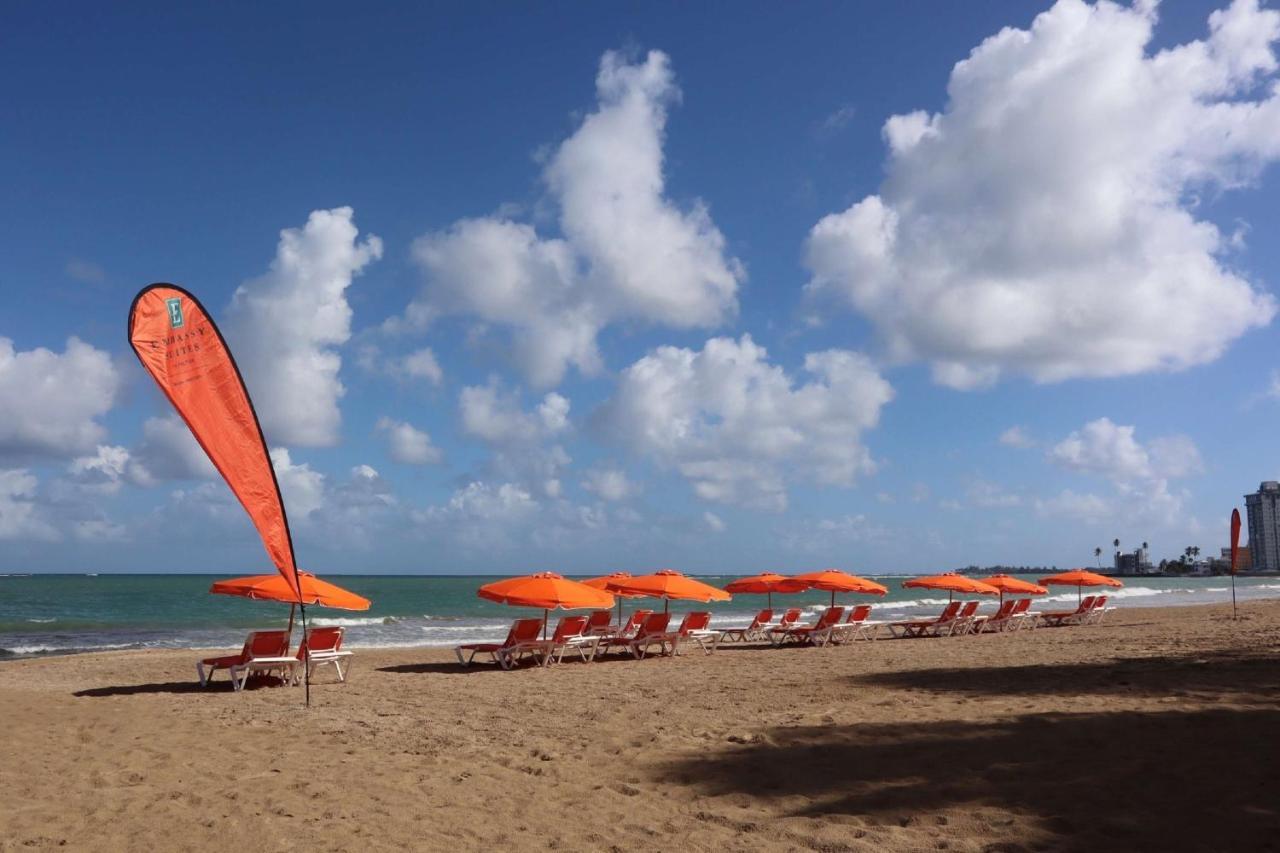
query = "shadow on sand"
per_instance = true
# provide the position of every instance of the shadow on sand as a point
(1181, 778)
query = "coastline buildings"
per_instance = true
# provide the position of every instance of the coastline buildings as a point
(1264, 526)
(1134, 563)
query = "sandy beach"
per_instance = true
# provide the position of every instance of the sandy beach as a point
(1156, 730)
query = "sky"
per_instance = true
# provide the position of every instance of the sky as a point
(890, 287)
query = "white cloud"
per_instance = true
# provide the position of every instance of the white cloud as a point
(1139, 472)
(102, 472)
(302, 488)
(625, 252)
(1069, 504)
(714, 523)
(409, 445)
(168, 451)
(1016, 436)
(991, 496)
(610, 484)
(85, 272)
(519, 438)
(285, 325)
(738, 427)
(21, 516)
(51, 401)
(421, 364)
(1045, 222)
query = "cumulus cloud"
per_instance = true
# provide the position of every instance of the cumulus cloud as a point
(21, 516)
(625, 251)
(101, 473)
(1045, 222)
(286, 324)
(610, 484)
(51, 401)
(1016, 436)
(168, 451)
(302, 488)
(991, 496)
(408, 444)
(1141, 473)
(520, 439)
(738, 428)
(419, 365)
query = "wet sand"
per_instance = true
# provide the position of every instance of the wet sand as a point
(1157, 730)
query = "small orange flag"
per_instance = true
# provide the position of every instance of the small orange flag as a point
(179, 345)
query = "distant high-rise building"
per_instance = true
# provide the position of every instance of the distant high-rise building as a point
(1264, 526)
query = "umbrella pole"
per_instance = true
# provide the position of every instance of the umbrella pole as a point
(291, 607)
(306, 658)
(544, 623)
(833, 598)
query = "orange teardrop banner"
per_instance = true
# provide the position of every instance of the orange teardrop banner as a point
(180, 346)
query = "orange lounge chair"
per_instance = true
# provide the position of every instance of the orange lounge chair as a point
(262, 646)
(856, 626)
(960, 625)
(997, 621)
(754, 631)
(818, 634)
(917, 627)
(599, 622)
(1099, 610)
(571, 633)
(323, 647)
(652, 630)
(1057, 618)
(632, 626)
(522, 639)
(696, 626)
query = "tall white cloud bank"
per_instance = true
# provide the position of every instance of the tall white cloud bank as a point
(739, 428)
(50, 402)
(1045, 222)
(625, 251)
(286, 325)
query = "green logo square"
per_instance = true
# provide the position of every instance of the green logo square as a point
(175, 312)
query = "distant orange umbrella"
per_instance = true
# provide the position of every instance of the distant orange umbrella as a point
(1079, 578)
(835, 581)
(547, 590)
(953, 582)
(668, 584)
(1008, 583)
(603, 582)
(274, 587)
(766, 583)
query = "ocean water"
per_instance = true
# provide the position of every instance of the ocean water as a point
(51, 614)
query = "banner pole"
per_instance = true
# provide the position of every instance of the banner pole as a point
(306, 658)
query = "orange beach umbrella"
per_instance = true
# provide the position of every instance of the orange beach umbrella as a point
(603, 582)
(1010, 584)
(953, 582)
(275, 588)
(668, 584)
(1080, 578)
(835, 581)
(547, 590)
(766, 583)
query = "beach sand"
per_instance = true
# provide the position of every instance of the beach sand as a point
(1157, 730)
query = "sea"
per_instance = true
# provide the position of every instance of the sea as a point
(43, 614)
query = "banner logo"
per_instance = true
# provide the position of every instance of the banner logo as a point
(175, 312)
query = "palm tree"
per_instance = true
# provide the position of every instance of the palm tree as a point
(1097, 555)
(1116, 543)
(1144, 546)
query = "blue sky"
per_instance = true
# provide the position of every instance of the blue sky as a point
(595, 287)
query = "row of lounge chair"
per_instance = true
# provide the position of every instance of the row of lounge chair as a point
(266, 653)
(646, 632)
